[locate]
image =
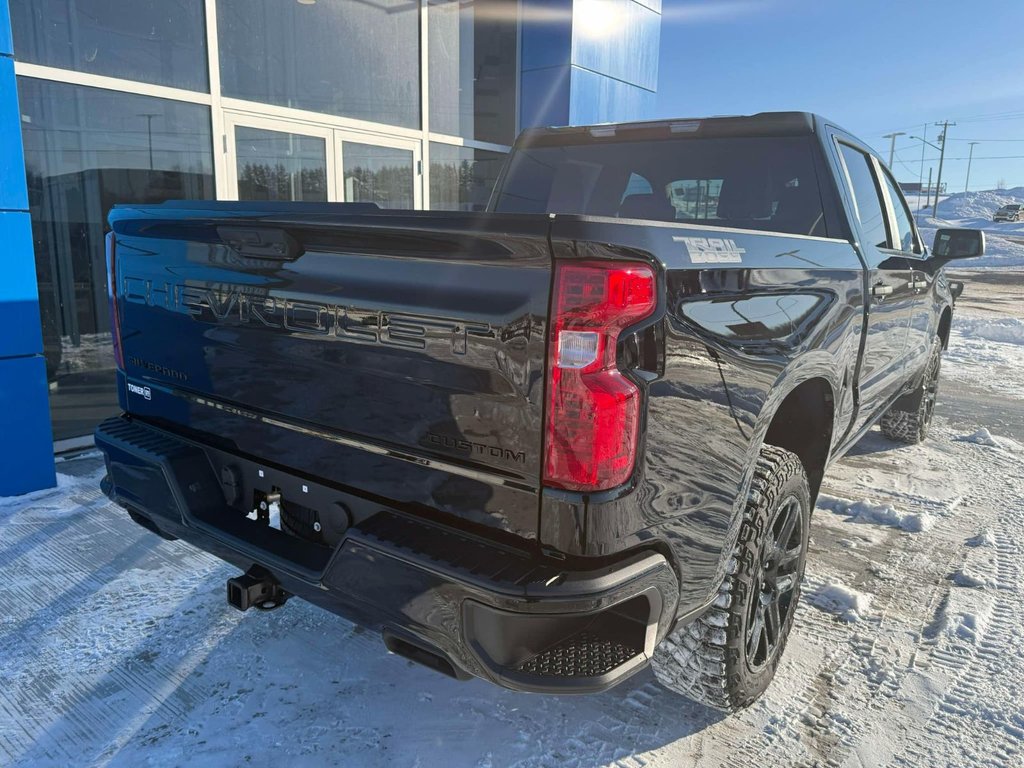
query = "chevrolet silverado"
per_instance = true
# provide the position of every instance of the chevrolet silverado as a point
(550, 443)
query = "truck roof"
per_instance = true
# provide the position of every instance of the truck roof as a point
(760, 124)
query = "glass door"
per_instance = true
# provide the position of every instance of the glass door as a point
(381, 171)
(279, 160)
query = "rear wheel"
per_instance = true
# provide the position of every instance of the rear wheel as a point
(911, 426)
(727, 657)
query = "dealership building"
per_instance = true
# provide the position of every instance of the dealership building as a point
(405, 103)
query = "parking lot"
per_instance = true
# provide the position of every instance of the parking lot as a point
(118, 648)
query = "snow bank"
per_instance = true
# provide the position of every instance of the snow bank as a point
(974, 210)
(992, 365)
(879, 514)
(978, 206)
(840, 600)
(999, 252)
(64, 483)
(1007, 330)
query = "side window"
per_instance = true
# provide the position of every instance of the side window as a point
(904, 225)
(866, 196)
(637, 185)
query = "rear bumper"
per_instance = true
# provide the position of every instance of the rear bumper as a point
(460, 603)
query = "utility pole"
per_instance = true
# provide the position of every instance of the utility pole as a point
(928, 196)
(970, 157)
(892, 145)
(942, 156)
(920, 171)
(149, 133)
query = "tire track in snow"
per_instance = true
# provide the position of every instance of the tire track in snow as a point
(858, 691)
(969, 723)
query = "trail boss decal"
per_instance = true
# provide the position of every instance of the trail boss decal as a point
(711, 250)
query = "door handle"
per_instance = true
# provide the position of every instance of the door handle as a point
(881, 290)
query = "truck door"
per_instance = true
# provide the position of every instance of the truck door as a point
(922, 276)
(890, 298)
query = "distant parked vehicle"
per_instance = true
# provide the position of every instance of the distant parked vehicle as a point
(1009, 213)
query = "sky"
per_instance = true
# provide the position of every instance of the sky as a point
(872, 66)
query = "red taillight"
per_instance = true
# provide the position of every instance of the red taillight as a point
(593, 410)
(115, 319)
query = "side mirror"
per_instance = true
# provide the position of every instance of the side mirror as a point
(956, 288)
(958, 244)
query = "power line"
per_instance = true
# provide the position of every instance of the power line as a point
(983, 118)
(987, 140)
(993, 157)
(900, 150)
(903, 162)
(965, 157)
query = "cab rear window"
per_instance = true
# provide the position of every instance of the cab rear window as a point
(760, 183)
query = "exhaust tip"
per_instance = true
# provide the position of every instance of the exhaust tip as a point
(430, 658)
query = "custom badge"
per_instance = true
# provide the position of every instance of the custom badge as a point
(711, 250)
(145, 392)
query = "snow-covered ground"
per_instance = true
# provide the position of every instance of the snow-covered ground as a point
(117, 648)
(974, 210)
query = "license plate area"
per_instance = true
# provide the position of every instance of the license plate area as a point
(270, 508)
(304, 502)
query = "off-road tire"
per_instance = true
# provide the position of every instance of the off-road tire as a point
(912, 426)
(707, 660)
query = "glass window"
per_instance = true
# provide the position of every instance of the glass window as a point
(280, 166)
(355, 59)
(461, 178)
(904, 227)
(637, 185)
(696, 199)
(85, 150)
(759, 183)
(152, 41)
(473, 50)
(866, 196)
(381, 175)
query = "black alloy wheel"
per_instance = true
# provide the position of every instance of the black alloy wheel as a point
(769, 611)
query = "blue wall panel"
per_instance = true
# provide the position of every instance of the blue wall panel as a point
(6, 44)
(13, 194)
(601, 99)
(546, 36)
(26, 447)
(588, 62)
(26, 439)
(544, 97)
(19, 298)
(622, 43)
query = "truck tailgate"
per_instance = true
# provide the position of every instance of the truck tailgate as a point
(398, 355)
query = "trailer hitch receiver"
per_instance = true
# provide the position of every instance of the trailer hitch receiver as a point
(256, 588)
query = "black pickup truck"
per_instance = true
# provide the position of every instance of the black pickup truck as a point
(549, 443)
